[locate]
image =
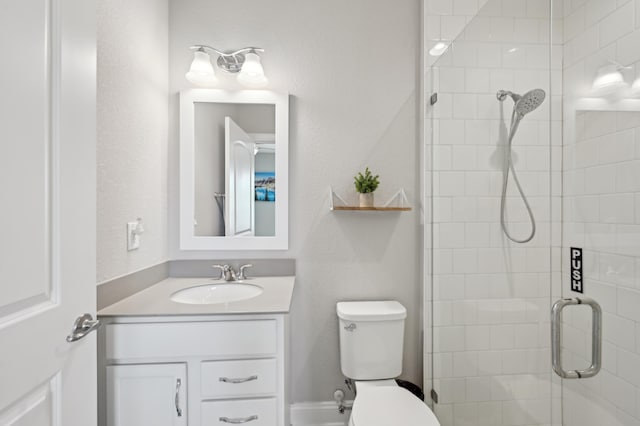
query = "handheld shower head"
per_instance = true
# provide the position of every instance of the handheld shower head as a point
(523, 104)
(529, 101)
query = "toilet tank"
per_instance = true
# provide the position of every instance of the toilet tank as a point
(371, 339)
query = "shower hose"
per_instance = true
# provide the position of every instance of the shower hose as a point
(515, 122)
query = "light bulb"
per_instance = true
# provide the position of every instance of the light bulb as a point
(609, 81)
(201, 71)
(252, 73)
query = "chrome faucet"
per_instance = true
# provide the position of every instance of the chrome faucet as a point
(228, 274)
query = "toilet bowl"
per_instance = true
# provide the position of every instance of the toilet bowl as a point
(371, 343)
(390, 406)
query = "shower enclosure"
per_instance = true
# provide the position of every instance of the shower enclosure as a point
(573, 214)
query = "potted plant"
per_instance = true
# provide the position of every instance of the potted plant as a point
(365, 185)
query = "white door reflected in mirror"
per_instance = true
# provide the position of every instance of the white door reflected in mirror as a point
(233, 170)
(239, 171)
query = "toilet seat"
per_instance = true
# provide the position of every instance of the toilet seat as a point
(389, 406)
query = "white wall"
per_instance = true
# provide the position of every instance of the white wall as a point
(601, 212)
(352, 71)
(132, 110)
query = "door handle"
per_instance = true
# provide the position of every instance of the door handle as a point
(84, 325)
(596, 338)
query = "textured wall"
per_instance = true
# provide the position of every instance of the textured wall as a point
(132, 109)
(601, 211)
(352, 71)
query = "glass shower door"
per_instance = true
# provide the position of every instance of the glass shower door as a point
(489, 296)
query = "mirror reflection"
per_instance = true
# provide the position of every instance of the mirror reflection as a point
(234, 169)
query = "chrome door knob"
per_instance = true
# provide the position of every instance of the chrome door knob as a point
(84, 325)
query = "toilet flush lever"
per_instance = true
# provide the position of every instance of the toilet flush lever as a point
(350, 327)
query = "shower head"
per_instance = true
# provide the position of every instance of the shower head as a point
(524, 104)
(529, 101)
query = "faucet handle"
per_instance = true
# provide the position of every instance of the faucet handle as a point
(222, 270)
(242, 276)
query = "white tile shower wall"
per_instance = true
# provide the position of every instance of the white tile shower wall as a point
(491, 297)
(601, 212)
(444, 20)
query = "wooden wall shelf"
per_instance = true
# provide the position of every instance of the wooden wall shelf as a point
(397, 203)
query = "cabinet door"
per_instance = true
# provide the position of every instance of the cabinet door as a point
(153, 394)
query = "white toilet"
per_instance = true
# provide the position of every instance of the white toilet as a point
(371, 344)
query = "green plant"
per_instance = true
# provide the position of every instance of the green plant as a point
(366, 183)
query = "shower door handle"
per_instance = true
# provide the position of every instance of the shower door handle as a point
(596, 338)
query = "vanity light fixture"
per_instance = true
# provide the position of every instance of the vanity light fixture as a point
(609, 81)
(244, 62)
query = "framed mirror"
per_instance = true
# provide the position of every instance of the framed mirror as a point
(234, 177)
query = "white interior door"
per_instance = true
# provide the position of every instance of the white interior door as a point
(47, 191)
(239, 180)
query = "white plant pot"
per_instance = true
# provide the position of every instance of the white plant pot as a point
(366, 199)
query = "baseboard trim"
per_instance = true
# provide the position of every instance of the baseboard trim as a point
(323, 413)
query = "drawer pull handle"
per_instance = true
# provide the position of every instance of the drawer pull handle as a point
(242, 380)
(238, 421)
(177, 397)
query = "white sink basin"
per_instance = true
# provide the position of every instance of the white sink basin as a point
(209, 294)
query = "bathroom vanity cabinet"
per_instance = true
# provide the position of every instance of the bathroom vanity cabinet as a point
(193, 370)
(138, 394)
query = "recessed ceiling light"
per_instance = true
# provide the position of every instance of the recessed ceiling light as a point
(438, 49)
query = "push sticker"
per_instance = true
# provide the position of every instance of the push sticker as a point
(576, 270)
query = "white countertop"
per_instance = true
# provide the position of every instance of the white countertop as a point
(156, 300)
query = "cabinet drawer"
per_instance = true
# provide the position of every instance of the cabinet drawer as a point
(253, 412)
(238, 378)
(215, 338)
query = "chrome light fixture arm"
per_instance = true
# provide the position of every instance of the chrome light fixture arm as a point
(230, 62)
